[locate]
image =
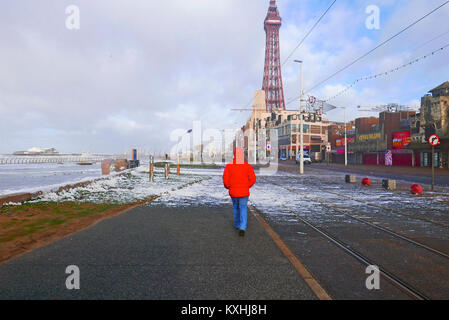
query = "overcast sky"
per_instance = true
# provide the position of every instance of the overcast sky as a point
(138, 69)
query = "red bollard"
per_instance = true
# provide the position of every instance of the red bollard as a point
(416, 189)
(366, 182)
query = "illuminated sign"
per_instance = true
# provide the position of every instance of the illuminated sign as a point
(401, 139)
(371, 136)
(341, 142)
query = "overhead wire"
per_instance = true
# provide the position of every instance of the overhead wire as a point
(378, 46)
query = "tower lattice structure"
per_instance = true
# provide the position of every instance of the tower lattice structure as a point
(272, 80)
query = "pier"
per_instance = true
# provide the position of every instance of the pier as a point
(56, 159)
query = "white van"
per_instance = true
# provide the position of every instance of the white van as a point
(307, 159)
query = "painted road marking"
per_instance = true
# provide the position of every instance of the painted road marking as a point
(314, 285)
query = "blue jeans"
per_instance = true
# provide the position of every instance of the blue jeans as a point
(239, 207)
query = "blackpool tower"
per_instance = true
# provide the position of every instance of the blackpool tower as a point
(272, 79)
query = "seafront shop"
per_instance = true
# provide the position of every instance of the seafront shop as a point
(370, 149)
(423, 154)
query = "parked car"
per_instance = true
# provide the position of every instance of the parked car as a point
(283, 157)
(307, 159)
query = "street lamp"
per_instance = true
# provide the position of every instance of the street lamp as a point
(433, 159)
(301, 131)
(180, 139)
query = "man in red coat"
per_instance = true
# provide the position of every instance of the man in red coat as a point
(238, 178)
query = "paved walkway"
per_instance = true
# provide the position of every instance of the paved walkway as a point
(159, 253)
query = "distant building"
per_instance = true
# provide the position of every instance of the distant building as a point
(37, 151)
(370, 138)
(287, 124)
(336, 138)
(433, 118)
(367, 136)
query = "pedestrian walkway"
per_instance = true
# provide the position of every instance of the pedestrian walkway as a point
(159, 252)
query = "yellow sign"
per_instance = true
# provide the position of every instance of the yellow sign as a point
(371, 136)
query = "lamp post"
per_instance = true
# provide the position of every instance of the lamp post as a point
(433, 161)
(179, 141)
(255, 140)
(301, 130)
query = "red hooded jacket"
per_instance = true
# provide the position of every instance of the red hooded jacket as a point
(239, 176)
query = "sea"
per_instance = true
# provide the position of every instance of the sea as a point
(25, 178)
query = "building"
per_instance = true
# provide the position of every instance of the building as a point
(365, 138)
(253, 131)
(257, 131)
(433, 118)
(393, 122)
(366, 125)
(375, 140)
(287, 124)
(336, 139)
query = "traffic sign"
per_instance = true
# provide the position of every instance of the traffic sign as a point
(434, 140)
(328, 148)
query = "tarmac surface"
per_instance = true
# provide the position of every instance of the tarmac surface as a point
(413, 175)
(183, 245)
(158, 252)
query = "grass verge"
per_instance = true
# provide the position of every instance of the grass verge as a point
(34, 224)
(31, 225)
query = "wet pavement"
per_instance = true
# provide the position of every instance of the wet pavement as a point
(159, 252)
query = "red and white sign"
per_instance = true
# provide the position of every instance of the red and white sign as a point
(341, 142)
(434, 140)
(401, 139)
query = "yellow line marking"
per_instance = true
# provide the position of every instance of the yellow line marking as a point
(317, 289)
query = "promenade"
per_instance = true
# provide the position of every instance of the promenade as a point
(156, 252)
(309, 237)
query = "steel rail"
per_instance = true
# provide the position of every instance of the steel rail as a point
(384, 208)
(384, 229)
(395, 280)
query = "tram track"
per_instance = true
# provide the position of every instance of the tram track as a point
(446, 212)
(378, 227)
(392, 278)
(398, 212)
(399, 279)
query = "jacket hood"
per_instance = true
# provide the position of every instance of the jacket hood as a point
(238, 156)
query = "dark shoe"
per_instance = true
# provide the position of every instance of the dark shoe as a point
(242, 233)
